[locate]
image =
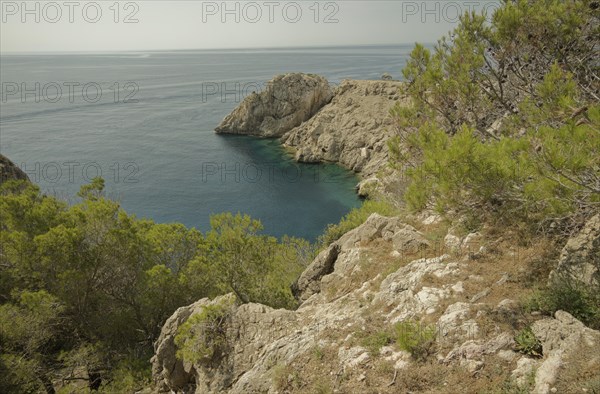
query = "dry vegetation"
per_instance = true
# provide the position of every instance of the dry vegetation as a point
(509, 269)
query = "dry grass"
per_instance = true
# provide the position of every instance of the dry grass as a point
(526, 263)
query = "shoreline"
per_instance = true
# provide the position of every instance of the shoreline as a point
(347, 125)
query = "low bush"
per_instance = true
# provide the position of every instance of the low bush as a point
(201, 338)
(374, 342)
(415, 338)
(581, 301)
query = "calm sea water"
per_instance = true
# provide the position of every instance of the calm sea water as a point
(144, 121)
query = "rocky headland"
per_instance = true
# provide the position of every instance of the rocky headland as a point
(351, 130)
(286, 102)
(348, 124)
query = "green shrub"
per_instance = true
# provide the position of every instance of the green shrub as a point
(256, 267)
(544, 174)
(462, 173)
(355, 218)
(114, 279)
(504, 122)
(415, 338)
(374, 342)
(581, 301)
(527, 343)
(203, 336)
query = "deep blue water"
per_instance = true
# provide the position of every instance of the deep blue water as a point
(145, 123)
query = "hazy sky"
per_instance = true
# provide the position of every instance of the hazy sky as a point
(107, 25)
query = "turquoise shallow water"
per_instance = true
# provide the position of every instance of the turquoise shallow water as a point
(144, 121)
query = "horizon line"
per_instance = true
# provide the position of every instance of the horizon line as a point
(207, 49)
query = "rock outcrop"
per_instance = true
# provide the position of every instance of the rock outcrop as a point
(348, 125)
(286, 102)
(263, 339)
(9, 171)
(169, 371)
(341, 292)
(352, 129)
(580, 258)
(562, 338)
(404, 238)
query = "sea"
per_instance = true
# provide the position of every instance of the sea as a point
(145, 121)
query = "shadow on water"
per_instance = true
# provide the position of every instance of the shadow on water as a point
(306, 197)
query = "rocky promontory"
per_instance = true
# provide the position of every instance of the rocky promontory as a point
(348, 125)
(287, 101)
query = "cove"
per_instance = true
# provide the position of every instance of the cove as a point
(280, 192)
(158, 154)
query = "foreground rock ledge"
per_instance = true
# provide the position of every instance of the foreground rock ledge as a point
(261, 338)
(344, 293)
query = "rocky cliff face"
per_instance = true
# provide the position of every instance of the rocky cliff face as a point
(9, 171)
(287, 101)
(382, 278)
(352, 129)
(580, 258)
